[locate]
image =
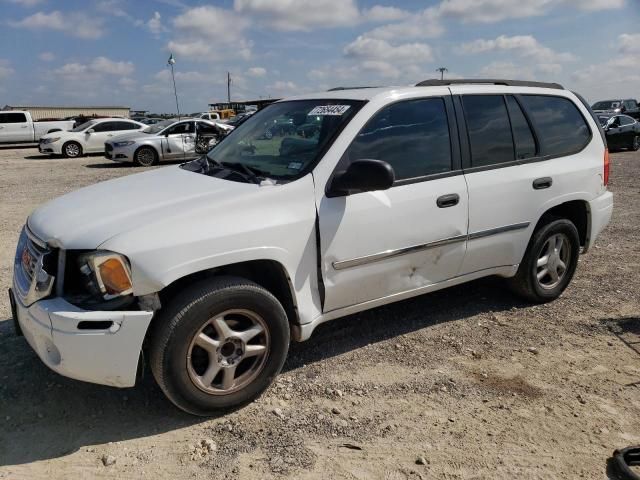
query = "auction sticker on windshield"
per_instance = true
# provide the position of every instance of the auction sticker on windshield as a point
(329, 110)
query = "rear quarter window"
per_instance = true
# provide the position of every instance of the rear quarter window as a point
(560, 125)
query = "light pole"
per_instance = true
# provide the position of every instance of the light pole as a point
(442, 70)
(171, 62)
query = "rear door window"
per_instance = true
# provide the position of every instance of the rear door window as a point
(489, 129)
(560, 125)
(523, 136)
(412, 136)
(106, 127)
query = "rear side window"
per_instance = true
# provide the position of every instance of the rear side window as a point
(411, 136)
(522, 135)
(489, 129)
(13, 118)
(126, 126)
(560, 125)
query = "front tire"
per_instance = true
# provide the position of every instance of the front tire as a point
(635, 143)
(218, 345)
(146, 157)
(549, 262)
(72, 150)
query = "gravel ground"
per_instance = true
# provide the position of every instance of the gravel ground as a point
(463, 383)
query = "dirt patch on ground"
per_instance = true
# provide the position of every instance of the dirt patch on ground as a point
(469, 382)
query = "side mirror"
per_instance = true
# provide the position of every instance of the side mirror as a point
(362, 176)
(91, 130)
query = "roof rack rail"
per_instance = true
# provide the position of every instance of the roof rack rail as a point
(336, 89)
(489, 81)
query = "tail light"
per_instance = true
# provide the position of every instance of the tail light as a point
(606, 166)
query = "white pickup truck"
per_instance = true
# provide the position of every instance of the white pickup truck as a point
(19, 127)
(209, 268)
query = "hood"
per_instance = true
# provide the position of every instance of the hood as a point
(86, 218)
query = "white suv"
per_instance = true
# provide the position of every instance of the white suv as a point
(210, 267)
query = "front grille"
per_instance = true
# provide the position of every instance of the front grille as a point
(33, 268)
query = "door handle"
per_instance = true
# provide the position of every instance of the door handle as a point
(24, 126)
(541, 183)
(449, 200)
(110, 135)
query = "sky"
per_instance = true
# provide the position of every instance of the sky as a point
(115, 52)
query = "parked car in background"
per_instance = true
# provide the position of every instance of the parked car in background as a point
(622, 131)
(86, 138)
(166, 140)
(152, 120)
(209, 268)
(19, 127)
(208, 116)
(611, 107)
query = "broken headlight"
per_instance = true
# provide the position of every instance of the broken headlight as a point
(106, 274)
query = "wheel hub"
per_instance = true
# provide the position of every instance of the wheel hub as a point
(231, 352)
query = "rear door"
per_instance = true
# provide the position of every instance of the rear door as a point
(383, 243)
(14, 127)
(521, 152)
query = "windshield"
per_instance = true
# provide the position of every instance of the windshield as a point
(285, 139)
(605, 105)
(84, 126)
(158, 127)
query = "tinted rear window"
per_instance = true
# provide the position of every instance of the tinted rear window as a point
(560, 125)
(489, 129)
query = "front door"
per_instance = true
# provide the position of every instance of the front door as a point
(377, 244)
(102, 132)
(15, 127)
(180, 142)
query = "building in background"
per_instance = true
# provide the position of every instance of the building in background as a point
(56, 112)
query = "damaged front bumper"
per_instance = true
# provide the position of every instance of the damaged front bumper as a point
(94, 346)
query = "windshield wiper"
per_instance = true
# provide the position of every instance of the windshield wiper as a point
(250, 172)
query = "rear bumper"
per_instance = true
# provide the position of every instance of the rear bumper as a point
(601, 209)
(107, 355)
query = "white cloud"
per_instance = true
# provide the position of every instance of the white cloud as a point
(488, 11)
(379, 13)
(301, 15)
(374, 49)
(27, 3)
(115, 8)
(597, 82)
(210, 33)
(98, 66)
(629, 43)
(524, 45)
(5, 69)
(154, 24)
(597, 4)
(283, 87)
(384, 60)
(256, 72)
(76, 24)
(47, 56)
(424, 24)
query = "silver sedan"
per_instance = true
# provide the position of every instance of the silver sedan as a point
(167, 140)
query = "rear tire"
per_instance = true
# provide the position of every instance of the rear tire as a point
(72, 150)
(549, 262)
(218, 345)
(635, 143)
(146, 157)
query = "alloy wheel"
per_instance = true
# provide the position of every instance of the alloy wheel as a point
(553, 261)
(228, 352)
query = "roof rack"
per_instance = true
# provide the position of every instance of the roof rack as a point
(489, 81)
(336, 89)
